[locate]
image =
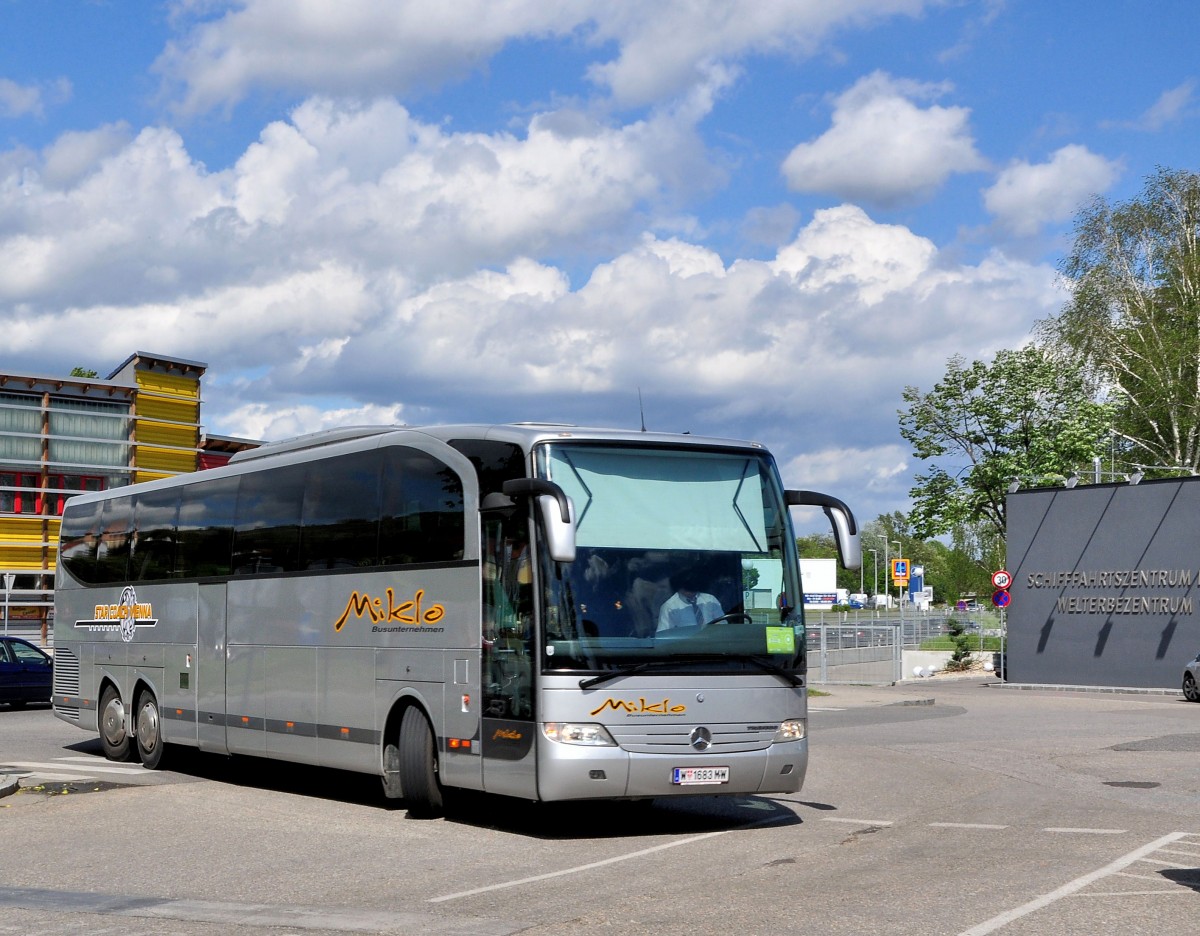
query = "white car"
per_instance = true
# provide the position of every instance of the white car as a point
(1191, 680)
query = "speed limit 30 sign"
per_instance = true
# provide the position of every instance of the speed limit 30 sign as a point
(1001, 579)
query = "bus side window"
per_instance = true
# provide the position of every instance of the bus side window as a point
(340, 518)
(266, 531)
(153, 553)
(422, 516)
(80, 535)
(204, 533)
(116, 534)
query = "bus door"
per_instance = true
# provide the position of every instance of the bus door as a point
(507, 732)
(210, 668)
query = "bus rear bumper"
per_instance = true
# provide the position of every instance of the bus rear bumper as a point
(567, 772)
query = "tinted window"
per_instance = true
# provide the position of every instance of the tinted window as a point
(153, 553)
(79, 537)
(116, 528)
(422, 519)
(495, 462)
(341, 512)
(204, 532)
(266, 534)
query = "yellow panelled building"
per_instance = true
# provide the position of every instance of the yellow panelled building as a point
(63, 435)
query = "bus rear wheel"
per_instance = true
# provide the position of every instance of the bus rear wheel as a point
(113, 736)
(149, 731)
(419, 767)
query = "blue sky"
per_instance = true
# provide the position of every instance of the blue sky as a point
(768, 217)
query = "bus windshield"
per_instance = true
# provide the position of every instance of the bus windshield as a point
(685, 562)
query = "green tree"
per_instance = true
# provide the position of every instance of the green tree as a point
(1024, 416)
(1133, 318)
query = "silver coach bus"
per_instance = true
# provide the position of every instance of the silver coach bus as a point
(538, 611)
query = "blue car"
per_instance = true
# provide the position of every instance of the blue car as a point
(26, 673)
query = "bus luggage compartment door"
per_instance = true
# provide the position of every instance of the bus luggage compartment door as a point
(210, 669)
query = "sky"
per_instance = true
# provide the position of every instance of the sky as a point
(757, 219)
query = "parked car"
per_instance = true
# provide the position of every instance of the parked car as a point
(26, 672)
(1191, 680)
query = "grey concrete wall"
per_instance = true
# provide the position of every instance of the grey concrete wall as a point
(1105, 584)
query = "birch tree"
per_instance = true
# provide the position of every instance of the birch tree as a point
(1133, 318)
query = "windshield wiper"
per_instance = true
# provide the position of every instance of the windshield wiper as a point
(614, 673)
(765, 665)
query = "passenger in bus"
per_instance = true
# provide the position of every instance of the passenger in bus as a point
(689, 606)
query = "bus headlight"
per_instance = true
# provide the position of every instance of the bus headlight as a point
(794, 729)
(578, 733)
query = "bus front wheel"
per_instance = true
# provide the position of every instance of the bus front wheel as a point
(149, 731)
(419, 767)
(113, 736)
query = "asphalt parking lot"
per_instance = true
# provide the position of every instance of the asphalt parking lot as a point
(935, 806)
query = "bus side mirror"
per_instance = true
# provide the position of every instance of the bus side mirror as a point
(841, 518)
(557, 511)
(560, 534)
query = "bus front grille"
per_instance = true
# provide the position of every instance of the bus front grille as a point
(672, 739)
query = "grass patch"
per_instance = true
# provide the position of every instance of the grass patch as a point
(991, 644)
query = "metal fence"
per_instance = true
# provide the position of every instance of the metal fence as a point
(868, 646)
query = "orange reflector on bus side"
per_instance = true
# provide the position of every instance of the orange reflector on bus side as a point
(245, 719)
(458, 743)
(345, 731)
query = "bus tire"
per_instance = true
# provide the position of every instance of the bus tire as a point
(111, 721)
(148, 731)
(419, 767)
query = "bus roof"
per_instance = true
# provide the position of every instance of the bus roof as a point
(524, 434)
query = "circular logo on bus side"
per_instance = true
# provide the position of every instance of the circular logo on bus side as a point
(127, 608)
(701, 739)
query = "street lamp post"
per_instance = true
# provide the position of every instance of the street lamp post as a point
(875, 562)
(899, 555)
(887, 591)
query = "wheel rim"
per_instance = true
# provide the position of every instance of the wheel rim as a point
(147, 727)
(113, 721)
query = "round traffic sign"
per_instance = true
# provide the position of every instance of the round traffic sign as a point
(1001, 579)
(1001, 598)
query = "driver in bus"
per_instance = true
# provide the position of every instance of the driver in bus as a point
(688, 607)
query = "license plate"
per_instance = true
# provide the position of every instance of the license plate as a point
(691, 776)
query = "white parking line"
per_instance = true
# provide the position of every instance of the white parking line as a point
(966, 825)
(871, 822)
(1088, 831)
(1003, 919)
(783, 814)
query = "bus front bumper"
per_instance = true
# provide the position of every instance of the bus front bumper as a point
(569, 772)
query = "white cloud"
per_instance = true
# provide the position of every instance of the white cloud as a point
(883, 148)
(353, 47)
(373, 47)
(665, 47)
(100, 216)
(76, 154)
(1026, 197)
(18, 100)
(275, 422)
(1171, 106)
